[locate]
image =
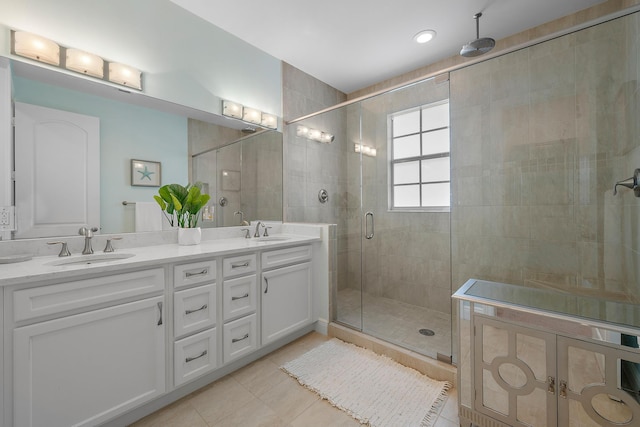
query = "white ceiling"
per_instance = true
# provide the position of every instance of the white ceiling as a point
(351, 44)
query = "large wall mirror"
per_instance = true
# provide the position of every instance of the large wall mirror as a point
(241, 167)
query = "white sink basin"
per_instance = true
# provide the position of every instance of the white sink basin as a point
(273, 239)
(91, 259)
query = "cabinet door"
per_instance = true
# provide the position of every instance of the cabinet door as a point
(514, 373)
(84, 369)
(286, 301)
(598, 385)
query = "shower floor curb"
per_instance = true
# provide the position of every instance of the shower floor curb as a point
(430, 367)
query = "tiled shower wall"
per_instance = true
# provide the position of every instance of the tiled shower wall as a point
(539, 138)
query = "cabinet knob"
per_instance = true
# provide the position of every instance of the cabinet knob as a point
(551, 388)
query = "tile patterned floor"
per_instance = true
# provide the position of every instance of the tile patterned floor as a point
(260, 394)
(397, 322)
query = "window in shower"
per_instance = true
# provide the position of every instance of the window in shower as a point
(419, 153)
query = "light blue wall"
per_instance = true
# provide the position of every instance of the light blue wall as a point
(126, 132)
(185, 59)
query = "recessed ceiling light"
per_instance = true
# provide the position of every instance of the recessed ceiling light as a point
(424, 36)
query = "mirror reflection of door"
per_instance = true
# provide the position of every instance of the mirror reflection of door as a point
(57, 171)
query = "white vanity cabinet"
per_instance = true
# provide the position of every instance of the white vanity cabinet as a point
(195, 308)
(107, 344)
(83, 364)
(533, 357)
(285, 291)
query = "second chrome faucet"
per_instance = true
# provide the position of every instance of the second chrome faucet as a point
(88, 234)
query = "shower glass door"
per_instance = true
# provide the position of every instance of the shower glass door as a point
(396, 284)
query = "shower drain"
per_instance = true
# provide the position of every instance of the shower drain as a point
(427, 332)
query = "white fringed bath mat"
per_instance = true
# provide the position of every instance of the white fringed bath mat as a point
(373, 389)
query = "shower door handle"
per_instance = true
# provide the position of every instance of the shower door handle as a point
(366, 226)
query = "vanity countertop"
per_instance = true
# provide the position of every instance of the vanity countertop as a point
(41, 268)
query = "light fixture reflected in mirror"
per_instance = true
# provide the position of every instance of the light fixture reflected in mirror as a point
(269, 121)
(249, 115)
(232, 109)
(314, 134)
(366, 150)
(125, 75)
(85, 63)
(36, 47)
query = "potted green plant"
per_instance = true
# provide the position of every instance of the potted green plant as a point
(181, 206)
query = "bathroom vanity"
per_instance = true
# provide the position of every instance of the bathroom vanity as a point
(536, 357)
(90, 340)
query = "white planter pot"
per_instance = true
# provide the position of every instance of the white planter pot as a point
(189, 236)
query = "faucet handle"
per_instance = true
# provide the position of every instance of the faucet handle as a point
(109, 246)
(64, 250)
(266, 231)
(247, 234)
(87, 232)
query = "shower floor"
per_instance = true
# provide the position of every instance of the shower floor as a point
(396, 322)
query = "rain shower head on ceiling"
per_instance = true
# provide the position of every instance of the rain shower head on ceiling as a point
(480, 45)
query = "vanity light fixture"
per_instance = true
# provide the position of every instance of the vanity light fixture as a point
(366, 150)
(35, 47)
(424, 36)
(85, 63)
(314, 134)
(125, 75)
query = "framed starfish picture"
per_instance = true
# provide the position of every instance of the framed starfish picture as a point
(145, 173)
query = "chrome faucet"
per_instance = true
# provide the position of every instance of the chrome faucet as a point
(257, 233)
(88, 234)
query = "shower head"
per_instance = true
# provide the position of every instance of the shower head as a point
(480, 45)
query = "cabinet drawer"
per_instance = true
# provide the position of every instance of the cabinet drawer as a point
(194, 273)
(238, 265)
(194, 309)
(195, 355)
(285, 256)
(54, 299)
(239, 297)
(240, 338)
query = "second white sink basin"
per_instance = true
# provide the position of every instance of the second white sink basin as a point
(91, 259)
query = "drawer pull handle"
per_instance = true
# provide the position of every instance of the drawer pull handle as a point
(191, 359)
(204, 307)
(235, 340)
(160, 310)
(199, 273)
(237, 298)
(240, 264)
(266, 288)
(563, 389)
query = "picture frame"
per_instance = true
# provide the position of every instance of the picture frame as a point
(146, 173)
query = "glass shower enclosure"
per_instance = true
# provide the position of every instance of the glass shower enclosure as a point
(393, 262)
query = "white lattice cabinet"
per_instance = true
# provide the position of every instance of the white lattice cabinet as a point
(532, 357)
